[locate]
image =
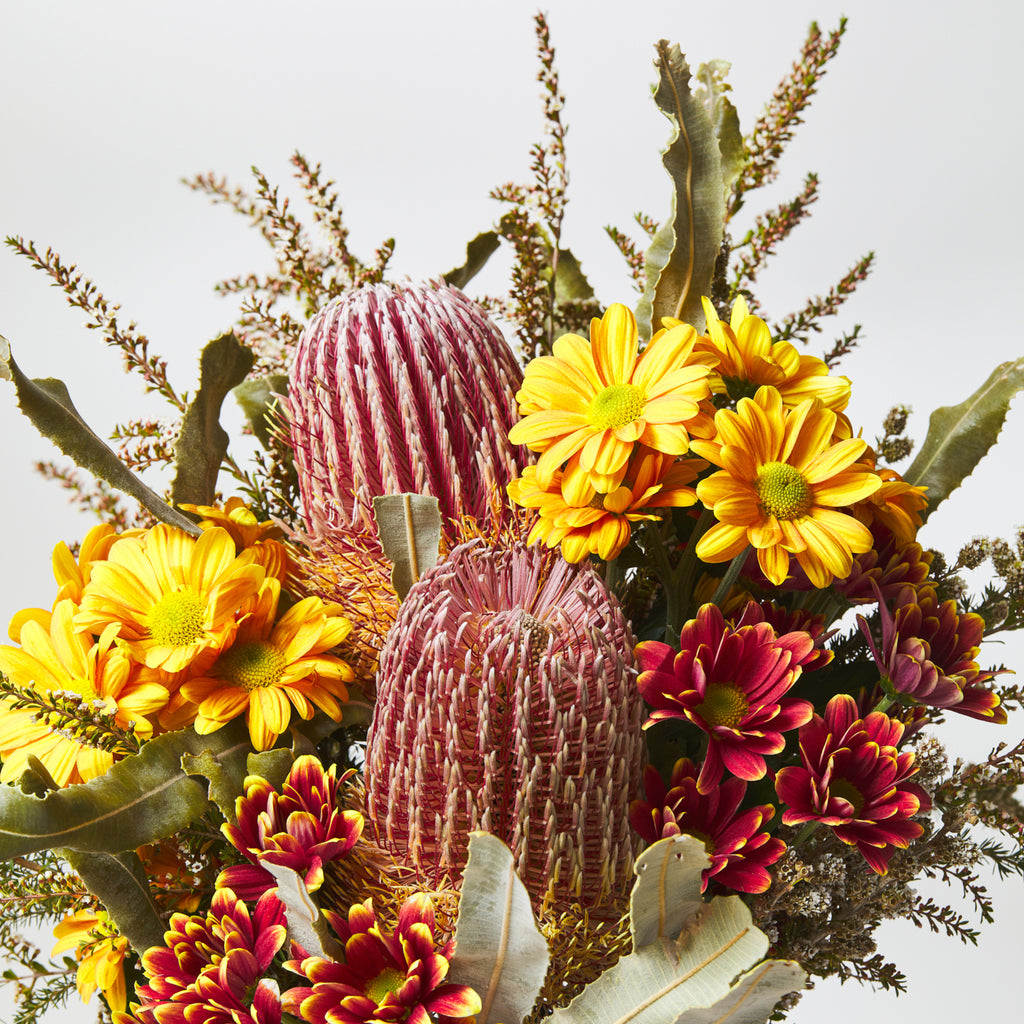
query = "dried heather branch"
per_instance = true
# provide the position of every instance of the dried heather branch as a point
(234, 196)
(327, 213)
(843, 346)
(799, 326)
(769, 230)
(146, 443)
(94, 495)
(647, 224)
(775, 127)
(82, 294)
(633, 255)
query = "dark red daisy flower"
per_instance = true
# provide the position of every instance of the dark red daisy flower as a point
(731, 684)
(740, 853)
(854, 780)
(385, 977)
(302, 827)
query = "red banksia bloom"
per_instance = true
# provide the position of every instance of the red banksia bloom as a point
(302, 828)
(730, 682)
(385, 977)
(211, 967)
(740, 853)
(401, 388)
(854, 780)
(505, 702)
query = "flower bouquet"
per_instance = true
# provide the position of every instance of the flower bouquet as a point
(588, 666)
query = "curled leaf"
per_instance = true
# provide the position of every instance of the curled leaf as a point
(306, 925)
(257, 399)
(409, 526)
(478, 252)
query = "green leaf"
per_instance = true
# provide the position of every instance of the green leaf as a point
(46, 402)
(227, 775)
(478, 252)
(144, 798)
(203, 442)
(499, 949)
(306, 925)
(571, 283)
(680, 263)
(711, 91)
(257, 399)
(960, 435)
(409, 526)
(691, 960)
(119, 881)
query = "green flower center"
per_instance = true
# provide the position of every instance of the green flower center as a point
(709, 844)
(724, 704)
(847, 791)
(616, 406)
(251, 665)
(737, 388)
(783, 491)
(177, 619)
(388, 981)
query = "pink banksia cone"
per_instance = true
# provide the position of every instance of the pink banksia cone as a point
(506, 701)
(402, 388)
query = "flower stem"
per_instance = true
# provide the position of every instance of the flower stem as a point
(730, 577)
(804, 833)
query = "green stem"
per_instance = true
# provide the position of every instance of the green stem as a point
(614, 574)
(804, 833)
(730, 577)
(884, 704)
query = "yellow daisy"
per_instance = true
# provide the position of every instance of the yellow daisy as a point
(597, 398)
(173, 595)
(747, 358)
(262, 538)
(55, 658)
(101, 950)
(271, 663)
(897, 505)
(584, 522)
(781, 485)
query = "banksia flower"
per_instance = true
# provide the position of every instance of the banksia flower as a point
(505, 702)
(401, 388)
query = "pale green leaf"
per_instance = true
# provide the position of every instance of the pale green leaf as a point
(141, 799)
(203, 442)
(227, 774)
(46, 402)
(119, 882)
(257, 400)
(306, 924)
(680, 263)
(571, 284)
(960, 435)
(409, 526)
(692, 961)
(711, 91)
(499, 950)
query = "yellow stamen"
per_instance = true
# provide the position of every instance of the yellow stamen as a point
(724, 704)
(251, 665)
(616, 406)
(177, 619)
(783, 491)
(389, 980)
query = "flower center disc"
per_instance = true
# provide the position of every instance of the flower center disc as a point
(177, 619)
(847, 791)
(783, 491)
(388, 981)
(251, 665)
(616, 406)
(724, 704)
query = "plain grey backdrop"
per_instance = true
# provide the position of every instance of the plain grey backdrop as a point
(417, 111)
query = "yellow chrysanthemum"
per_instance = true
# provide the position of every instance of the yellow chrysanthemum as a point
(173, 595)
(897, 505)
(747, 358)
(584, 522)
(101, 950)
(54, 657)
(781, 485)
(598, 399)
(262, 538)
(271, 663)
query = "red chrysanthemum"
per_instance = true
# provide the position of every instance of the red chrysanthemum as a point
(927, 654)
(740, 853)
(212, 968)
(385, 977)
(854, 780)
(731, 683)
(890, 565)
(303, 827)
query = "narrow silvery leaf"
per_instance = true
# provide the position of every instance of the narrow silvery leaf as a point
(959, 436)
(499, 949)
(306, 925)
(409, 526)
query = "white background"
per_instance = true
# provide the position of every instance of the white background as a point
(417, 111)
